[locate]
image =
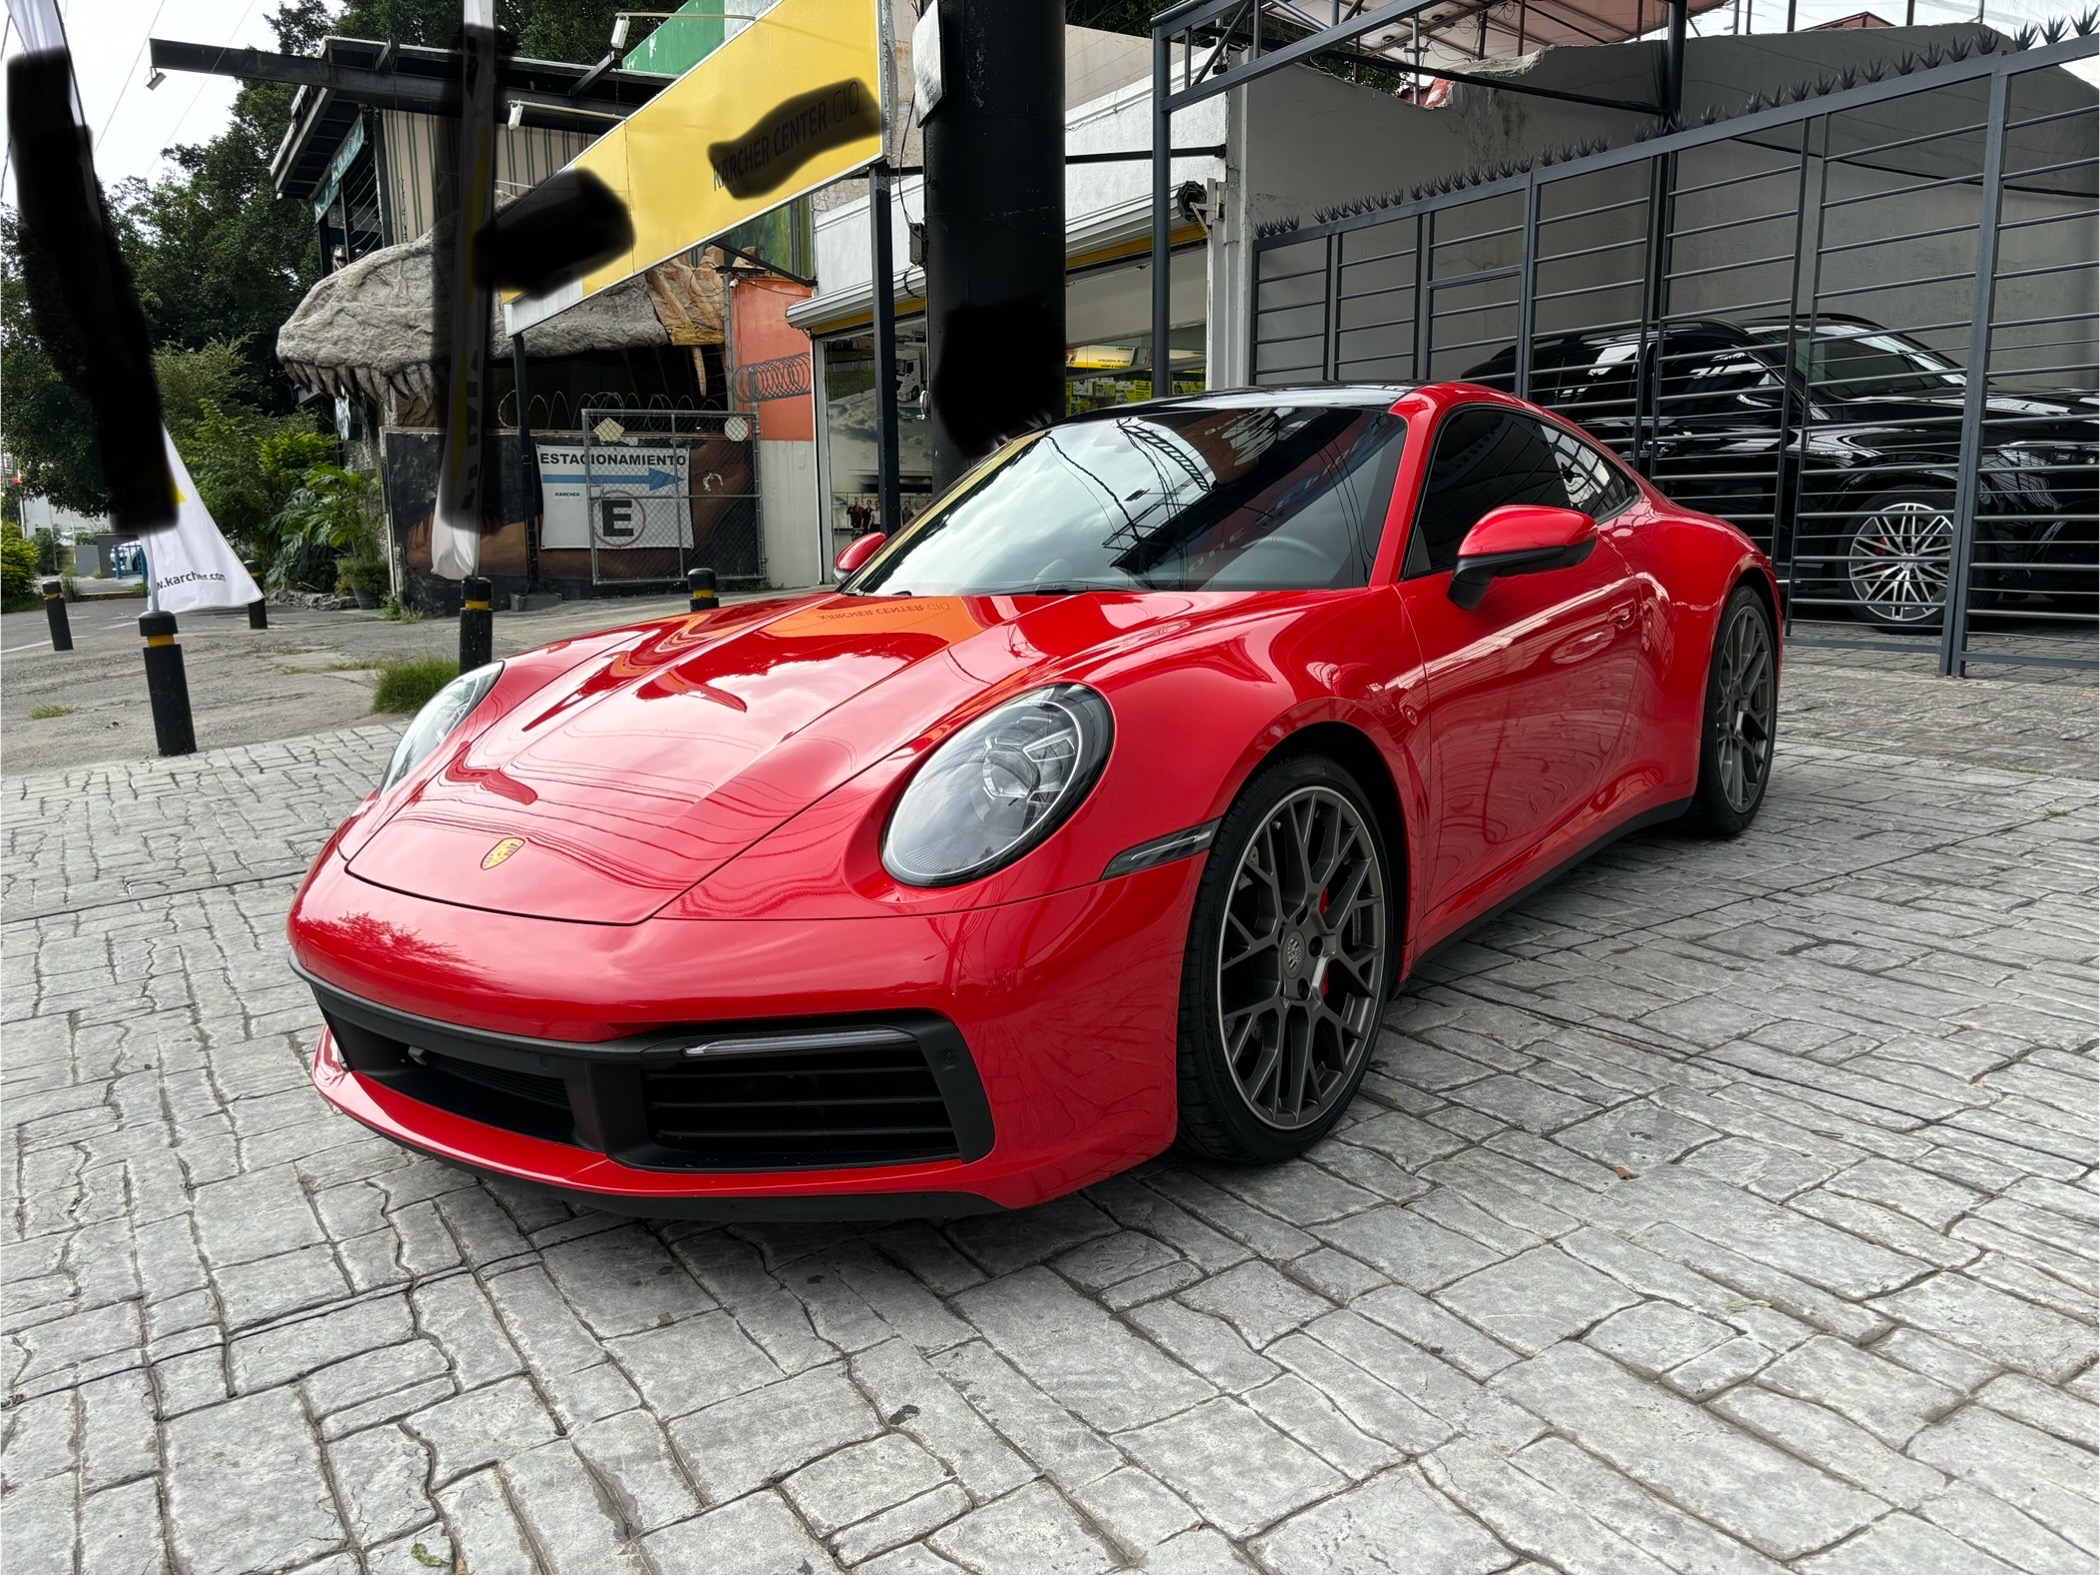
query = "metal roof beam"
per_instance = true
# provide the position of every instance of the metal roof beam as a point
(1172, 25)
(389, 87)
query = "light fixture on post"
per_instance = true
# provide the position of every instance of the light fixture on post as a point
(619, 32)
(517, 114)
(155, 79)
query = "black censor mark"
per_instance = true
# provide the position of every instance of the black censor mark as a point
(792, 133)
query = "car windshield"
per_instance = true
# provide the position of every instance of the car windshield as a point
(1857, 363)
(1175, 497)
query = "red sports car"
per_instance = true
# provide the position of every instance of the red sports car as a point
(1104, 805)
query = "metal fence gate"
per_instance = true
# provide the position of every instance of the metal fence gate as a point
(1776, 318)
(671, 490)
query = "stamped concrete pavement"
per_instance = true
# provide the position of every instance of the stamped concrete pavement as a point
(1725, 1207)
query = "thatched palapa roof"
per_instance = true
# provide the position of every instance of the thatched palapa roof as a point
(366, 331)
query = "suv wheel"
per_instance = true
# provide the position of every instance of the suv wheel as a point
(1897, 559)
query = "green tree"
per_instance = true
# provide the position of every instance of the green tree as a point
(50, 432)
(214, 252)
(220, 262)
(246, 461)
(573, 30)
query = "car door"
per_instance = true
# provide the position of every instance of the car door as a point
(1527, 693)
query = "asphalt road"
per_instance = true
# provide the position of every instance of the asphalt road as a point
(308, 671)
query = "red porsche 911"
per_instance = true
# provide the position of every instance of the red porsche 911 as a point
(1104, 805)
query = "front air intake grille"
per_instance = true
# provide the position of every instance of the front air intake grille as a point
(519, 1102)
(867, 1105)
(525, 1086)
(766, 1096)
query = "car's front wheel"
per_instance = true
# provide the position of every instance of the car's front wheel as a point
(1288, 965)
(1897, 558)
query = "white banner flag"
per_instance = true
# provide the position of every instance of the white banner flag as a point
(189, 565)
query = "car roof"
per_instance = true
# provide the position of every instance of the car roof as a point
(1364, 396)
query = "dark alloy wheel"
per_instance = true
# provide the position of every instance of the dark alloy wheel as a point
(1289, 965)
(1741, 720)
(1897, 560)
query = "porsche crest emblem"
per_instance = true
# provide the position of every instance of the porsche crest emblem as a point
(502, 851)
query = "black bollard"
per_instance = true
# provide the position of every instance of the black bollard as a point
(55, 610)
(477, 642)
(259, 609)
(166, 686)
(700, 590)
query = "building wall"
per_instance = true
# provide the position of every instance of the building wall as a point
(525, 156)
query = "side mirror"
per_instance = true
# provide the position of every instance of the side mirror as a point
(859, 551)
(1519, 539)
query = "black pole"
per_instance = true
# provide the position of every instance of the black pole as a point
(476, 636)
(259, 609)
(888, 506)
(995, 228)
(700, 592)
(55, 612)
(528, 463)
(1162, 212)
(167, 688)
(1673, 62)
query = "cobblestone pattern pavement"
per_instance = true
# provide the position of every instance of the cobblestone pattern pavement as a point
(1726, 1207)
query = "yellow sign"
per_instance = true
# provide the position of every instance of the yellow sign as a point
(793, 102)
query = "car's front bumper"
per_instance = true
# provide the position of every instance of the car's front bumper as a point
(1048, 1025)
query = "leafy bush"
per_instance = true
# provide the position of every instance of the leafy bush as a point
(50, 553)
(18, 588)
(328, 515)
(406, 683)
(246, 462)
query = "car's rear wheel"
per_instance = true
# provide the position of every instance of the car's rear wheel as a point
(1741, 717)
(1897, 557)
(1288, 966)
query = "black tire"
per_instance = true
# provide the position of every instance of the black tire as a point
(1895, 557)
(1738, 727)
(1325, 959)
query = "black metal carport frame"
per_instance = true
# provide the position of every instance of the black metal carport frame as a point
(1237, 23)
(1996, 67)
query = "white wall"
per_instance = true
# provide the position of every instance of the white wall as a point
(790, 512)
(1104, 203)
(41, 514)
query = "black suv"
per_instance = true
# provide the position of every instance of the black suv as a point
(1868, 422)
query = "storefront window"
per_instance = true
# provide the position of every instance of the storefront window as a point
(1108, 321)
(849, 413)
(1118, 371)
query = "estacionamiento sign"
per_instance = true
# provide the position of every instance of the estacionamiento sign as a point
(622, 497)
(793, 102)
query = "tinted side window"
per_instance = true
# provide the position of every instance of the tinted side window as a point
(1705, 377)
(1485, 457)
(1595, 486)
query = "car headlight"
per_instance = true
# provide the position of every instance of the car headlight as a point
(998, 787)
(443, 712)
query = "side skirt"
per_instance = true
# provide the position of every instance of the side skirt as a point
(1647, 818)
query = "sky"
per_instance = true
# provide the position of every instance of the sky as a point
(108, 39)
(132, 125)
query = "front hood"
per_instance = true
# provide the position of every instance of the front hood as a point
(610, 791)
